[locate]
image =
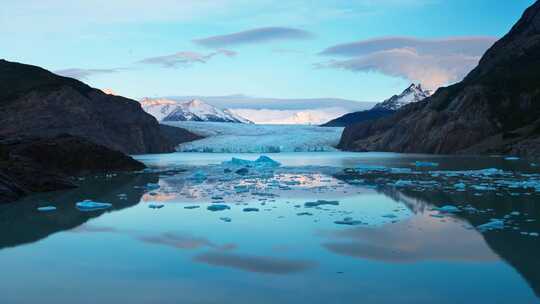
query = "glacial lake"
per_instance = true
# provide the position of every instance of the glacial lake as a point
(396, 229)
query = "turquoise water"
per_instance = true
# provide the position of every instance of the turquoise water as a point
(402, 250)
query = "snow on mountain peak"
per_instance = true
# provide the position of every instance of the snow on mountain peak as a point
(413, 93)
(194, 110)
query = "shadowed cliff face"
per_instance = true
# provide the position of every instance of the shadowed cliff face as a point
(39, 165)
(496, 108)
(36, 102)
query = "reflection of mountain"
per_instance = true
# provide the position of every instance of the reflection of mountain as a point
(521, 252)
(21, 223)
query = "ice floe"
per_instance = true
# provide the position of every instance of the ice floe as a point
(89, 205)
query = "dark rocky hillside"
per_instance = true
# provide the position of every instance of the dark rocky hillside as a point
(358, 117)
(36, 102)
(30, 165)
(495, 109)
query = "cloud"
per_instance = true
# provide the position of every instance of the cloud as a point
(432, 62)
(185, 58)
(260, 264)
(258, 35)
(83, 73)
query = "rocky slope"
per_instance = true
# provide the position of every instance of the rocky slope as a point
(36, 102)
(495, 109)
(414, 93)
(29, 164)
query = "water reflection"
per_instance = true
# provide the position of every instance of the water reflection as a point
(394, 234)
(21, 223)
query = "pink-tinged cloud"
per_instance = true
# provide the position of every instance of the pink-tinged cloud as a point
(432, 62)
(258, 35)
(185, 58)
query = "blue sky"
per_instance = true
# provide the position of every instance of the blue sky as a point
(363, 50)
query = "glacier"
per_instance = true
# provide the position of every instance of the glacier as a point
(249, 138)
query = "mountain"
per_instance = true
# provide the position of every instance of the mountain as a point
(413, 93)
(36, 102)
(31, 164)
(357, 117)
(158, 107)
(261, 110)
(495, 109)
(195, 110)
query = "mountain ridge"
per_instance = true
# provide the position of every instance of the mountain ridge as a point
(414, 93)
(495, 109)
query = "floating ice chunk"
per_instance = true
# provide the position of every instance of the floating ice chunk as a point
(198, 176)
(152, 186)
(425, 164)
(348, 221)
(403, 183)
(460, 186)
(226, 219)
(534, 234)
(448, 209)
(251, 210)
(371, 168)
(89, 205)
(46, 208)
(493, 224)
(191, 207)
(242, 171)
(320, 203)
(304, 213)
(512, 158)
(401, 170)
(241, 189)
(483, 187)
(267, 162)
(515, 213)
(155, 206)
(218, 207)
(261, 162)
(390, 215)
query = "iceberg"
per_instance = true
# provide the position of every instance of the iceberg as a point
(156, 206)
(348, 221)
(46, 208)
(320, 203)
(425, 164)
(448, 209)
(198, 176)
(251, 210)
(218, 207)
(493, 224)
(89, 205)
(511, 158)
(260, 163)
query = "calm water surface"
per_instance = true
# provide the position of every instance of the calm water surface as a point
(381, 240)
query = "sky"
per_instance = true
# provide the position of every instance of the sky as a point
(364, 50)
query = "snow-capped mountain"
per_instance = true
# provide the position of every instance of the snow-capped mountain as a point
(159, 107)
(413, 93)
(194, 110)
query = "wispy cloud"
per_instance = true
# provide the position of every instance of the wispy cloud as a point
(433, 62)
(185, 58)
(258, 35)
(83, 73)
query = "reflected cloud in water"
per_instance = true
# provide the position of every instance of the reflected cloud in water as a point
(421, 238)
(259, 264)
(183, 241)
